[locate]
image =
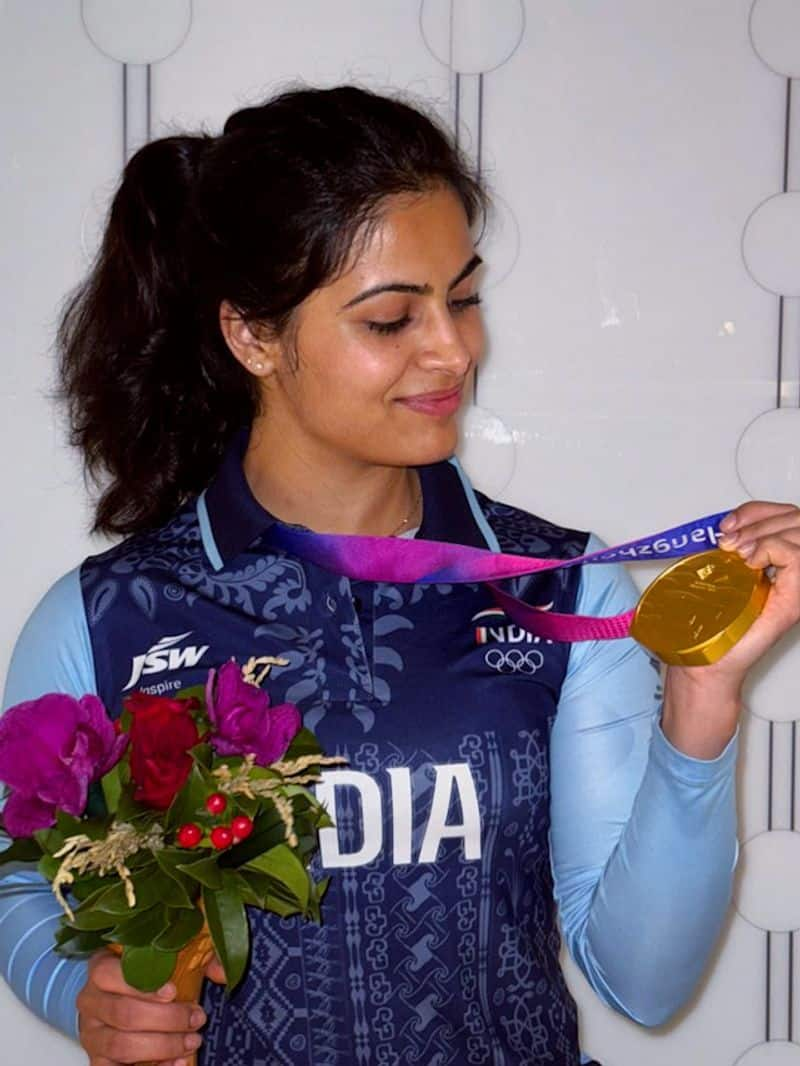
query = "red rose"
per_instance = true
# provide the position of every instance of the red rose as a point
(162, 732)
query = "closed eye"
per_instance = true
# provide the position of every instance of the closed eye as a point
(389, 327)
(468, 301)
(400, 323)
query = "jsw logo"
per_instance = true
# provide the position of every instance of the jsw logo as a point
(165, 656)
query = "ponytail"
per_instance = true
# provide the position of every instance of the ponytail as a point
(153, 395)
(261, 216)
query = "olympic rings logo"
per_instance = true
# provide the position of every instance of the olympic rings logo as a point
(514, 660)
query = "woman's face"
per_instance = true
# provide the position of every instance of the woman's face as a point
(382, 358)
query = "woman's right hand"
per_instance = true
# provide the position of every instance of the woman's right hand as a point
(119, 1024)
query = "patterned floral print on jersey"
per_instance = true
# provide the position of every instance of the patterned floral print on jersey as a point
(439, 942)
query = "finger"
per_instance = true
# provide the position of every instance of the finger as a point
(753, 511)
(780, 552)
(780, 522)
(135, 1015)
(121, 1047)
(105, 971)
(747, 548)
(215, 972)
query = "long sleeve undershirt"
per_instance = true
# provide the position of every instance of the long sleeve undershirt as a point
(643, 838)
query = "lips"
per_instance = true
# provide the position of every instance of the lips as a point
(442, 403)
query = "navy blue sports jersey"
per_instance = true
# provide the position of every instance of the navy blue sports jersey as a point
(439, 942)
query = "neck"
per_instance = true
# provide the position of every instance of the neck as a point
(330, 496)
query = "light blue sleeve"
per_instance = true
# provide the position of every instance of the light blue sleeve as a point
(643, 837)
(53, 654)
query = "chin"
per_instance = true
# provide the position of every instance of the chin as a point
(433, 449)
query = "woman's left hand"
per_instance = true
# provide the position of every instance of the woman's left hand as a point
(702, 703)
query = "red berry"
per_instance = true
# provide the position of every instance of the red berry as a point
(189, 835)
(216, 803)
(242, 827)
(221, 837)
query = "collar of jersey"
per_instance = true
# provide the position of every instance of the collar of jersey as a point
(232, 520)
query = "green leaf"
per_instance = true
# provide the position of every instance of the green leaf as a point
(182, 927)
(150, 885)
(67, 825)
(280, 907)
(283, 865)
(88, 885)
(170, 859)
(147, 968)
(304, 743)
(206, 871)
(250, 807)
(203, 755)
(73, 943)
(193, 692)
(189, 802)
(255, 887)
(112, 788)
(142, 928)
(324, 820)
(48, 867)
(227, 922)
(24, 849)
(268, 830)
(50, 840)
(128, 810)
(90, 918)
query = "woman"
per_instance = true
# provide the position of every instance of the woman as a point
(281, 325)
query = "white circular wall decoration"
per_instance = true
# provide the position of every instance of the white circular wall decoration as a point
(472, 36)
(775, 35)
(768, 456)
(499, 244)
(487, 450)
(771, 244)
(774, 1053)
(766, 893)
(137, 31)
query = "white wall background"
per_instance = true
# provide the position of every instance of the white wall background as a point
(643, 306)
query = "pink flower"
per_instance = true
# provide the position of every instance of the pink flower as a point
(51, 750)
(242, 720)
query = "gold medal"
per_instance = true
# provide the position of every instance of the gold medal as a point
(699, 607)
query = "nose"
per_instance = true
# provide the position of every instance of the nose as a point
(450, 345)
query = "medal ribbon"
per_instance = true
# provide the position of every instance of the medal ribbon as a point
(432, 562)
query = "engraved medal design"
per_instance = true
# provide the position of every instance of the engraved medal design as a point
(699, 607)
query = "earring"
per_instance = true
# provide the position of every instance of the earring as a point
(255, 365)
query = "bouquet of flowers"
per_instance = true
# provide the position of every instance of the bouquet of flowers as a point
(157, 831)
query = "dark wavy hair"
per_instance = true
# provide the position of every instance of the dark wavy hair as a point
(261, 215)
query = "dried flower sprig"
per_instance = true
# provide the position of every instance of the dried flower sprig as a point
(80, 854)
(240, 782)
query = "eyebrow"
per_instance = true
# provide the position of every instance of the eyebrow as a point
(419, 290)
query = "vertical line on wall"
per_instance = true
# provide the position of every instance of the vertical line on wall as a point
(149, 102)
(779, 373)
(124, 113)
(458, 110)
(787, 134)
(793, 776)
(479, 154)
(479, 168)
(787, 120)
(768, 985)
(790, 993)
(770, 773)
